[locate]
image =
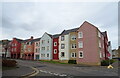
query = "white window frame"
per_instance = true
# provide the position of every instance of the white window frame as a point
(80, 34)
(55, 51)
(82, 54)
(99, 34)
(61, 46)
(73, 37)
(62, 38)
(61, 54)
(74, 55)
(47, 48)
(80, 44)
(73, 46)
(48, 55)
(99, 43)
(55, 43)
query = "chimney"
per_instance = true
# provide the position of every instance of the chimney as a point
(31, 37)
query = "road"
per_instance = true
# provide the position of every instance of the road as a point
(48, 69)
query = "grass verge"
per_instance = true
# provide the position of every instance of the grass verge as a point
(54, 62)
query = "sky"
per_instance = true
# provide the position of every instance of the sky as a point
(25, 19)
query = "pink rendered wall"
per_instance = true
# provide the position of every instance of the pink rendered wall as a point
(90, 44)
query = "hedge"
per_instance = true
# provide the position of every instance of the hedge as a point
(9, 63)
(106, 62)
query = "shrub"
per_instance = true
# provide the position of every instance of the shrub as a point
(72, 61)
(106, 62)
(9, 63)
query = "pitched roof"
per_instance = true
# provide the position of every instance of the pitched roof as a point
(68, 31)
(56, 36)
(19, 40)
(49, 34)
(34, 40)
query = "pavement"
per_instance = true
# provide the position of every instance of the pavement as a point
(17, 72)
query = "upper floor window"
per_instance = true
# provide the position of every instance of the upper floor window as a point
(100, 54)
(36, 50)
(43, 41)
(47, 47)
(81, 54)
(62, 46)
(99, 43)
(80, 44)
(55, 43)
(99, 34)
(43, 48)
(29, 50)
(80, 35)
(62, 38)
(73, 37)
(36, 44)
(55, 51)
(73, 55)
(73, 46)
(48, 40)
(15, 44)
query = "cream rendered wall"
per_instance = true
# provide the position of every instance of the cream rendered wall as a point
(66, 50)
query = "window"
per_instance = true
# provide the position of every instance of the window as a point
(73, 55)
(62, 46)
(100, 54)
(99, 35)
(30, 43)
(42, 55)
(62, 38)
(36, 50)
(81, 54)
(47, 47)
(48, 40)
(47, 55)
(80, 44)
(99, 43)
(36, 44)
(43, 41)
(55, 51)
(55, 43)
(29, 50)
(24, 46)
(62, 54)
(73, 46)
(14, 49)
(15, 44)
(43, 48)
(73, 37)
(80, 35)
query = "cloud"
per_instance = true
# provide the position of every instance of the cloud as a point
(31, 18)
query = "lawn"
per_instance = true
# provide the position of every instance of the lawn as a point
(54, 62)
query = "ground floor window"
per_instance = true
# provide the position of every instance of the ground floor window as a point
(62, 54)
(47, 55)
(37, 56)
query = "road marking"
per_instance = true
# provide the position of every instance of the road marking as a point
(62, 75)
(56, 74)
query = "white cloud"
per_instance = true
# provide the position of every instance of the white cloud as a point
(27, 19)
